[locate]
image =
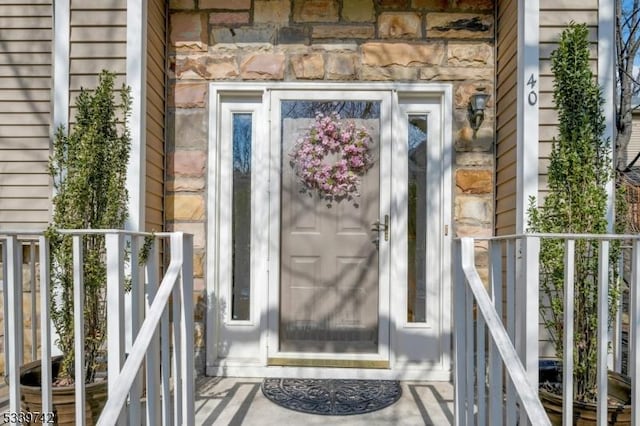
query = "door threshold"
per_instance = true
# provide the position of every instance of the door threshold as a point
(329, 363)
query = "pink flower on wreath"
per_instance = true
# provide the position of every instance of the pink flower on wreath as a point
(329, 135)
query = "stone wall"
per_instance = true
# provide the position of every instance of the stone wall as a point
(326, 40)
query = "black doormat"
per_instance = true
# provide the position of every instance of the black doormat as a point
(332, 397)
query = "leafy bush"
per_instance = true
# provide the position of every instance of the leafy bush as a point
(579, 170)
(88, 168)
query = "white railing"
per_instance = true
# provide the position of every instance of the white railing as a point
(27, 267)
(480, 397)
(492, 343)
(159, 358)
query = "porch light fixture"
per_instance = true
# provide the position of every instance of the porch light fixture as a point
(477, 104)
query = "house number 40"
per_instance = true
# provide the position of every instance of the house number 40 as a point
(533, 96)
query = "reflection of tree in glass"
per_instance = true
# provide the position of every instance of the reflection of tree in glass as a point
(417, 132)
(416, 235)
(417, 140)
(242, 143)
(241, 219)
(346, 109)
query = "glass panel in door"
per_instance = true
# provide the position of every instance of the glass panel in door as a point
(329, 254)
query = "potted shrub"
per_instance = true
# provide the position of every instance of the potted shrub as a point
(88, 168)
(580, 167)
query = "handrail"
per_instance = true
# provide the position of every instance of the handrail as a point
(151, 335)
(127, 376)
(516, 349)
(125, 381)
(526, 392)
(38, 232)
(473, 375)
(556, 235)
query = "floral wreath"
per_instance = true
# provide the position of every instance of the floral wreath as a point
(328, 135)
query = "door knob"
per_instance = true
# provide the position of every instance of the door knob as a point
(377, 226)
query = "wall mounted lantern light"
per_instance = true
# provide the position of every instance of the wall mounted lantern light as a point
(477, 104)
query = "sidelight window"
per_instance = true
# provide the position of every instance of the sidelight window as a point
(241, 217)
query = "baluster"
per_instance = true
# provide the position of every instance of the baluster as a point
(78, 326)
(152, 365)
(137, 315)
(177, 253)
(603, 325)
(165, 366)
(495, 363)
(14, 319)
(567, 362)
(186, 323)
(481, 369)
(460, 385)
(115, 309)
(45, 331)
(34, 314)
(529, 300)
(5, 306)
(634, 331)
(468, 309)
(511, 326)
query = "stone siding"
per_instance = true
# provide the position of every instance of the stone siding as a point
(326, 40)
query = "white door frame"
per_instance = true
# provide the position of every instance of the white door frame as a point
(392, 303)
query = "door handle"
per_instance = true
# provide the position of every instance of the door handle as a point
(380, 227)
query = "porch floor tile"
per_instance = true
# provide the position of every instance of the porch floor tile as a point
(239, 401)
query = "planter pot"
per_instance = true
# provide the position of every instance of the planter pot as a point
(63, 396)
(619, 411)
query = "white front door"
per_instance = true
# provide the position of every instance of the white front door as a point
(300, 279)
(333, 262)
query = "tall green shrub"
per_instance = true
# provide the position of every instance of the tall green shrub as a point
(88, 168)
(579, 169)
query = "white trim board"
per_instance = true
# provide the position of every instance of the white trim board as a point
(59, 95)
(231, 370)
(527, 108)
(606, 80)
(528, 100)
(137, 81)
(61, 31)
